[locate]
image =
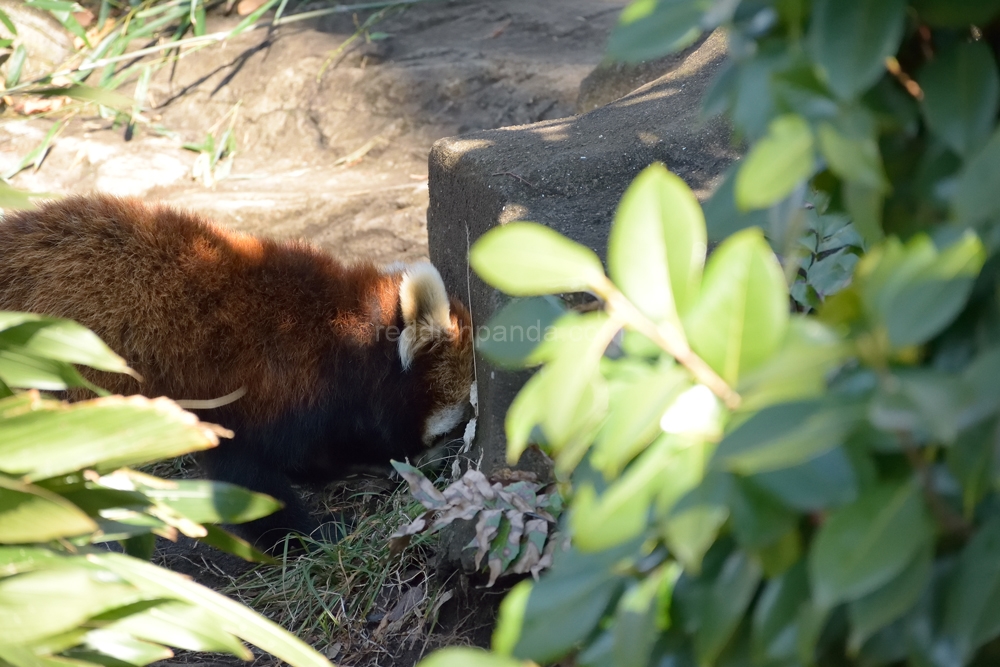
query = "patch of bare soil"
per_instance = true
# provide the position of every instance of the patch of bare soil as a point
(339, 159)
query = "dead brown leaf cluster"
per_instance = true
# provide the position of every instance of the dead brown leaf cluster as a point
(515, 520)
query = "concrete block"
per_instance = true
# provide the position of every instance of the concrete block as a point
(610, 80)
(568, 174)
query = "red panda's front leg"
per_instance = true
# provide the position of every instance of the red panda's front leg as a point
(231, 464)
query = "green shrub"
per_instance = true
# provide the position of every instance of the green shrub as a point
(749, 486)
(65, 486)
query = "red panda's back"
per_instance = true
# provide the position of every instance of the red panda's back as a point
(198, 311)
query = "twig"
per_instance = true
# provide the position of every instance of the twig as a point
(472, 322)
(508, 173)
(911, 86)
(672, 340)
(357, 155)
(951, 521)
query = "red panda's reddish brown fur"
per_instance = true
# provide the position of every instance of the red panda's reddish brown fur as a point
(199, 312)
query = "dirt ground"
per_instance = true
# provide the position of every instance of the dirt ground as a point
(339, 159)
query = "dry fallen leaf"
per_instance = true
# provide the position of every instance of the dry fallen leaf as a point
(84, 18)
(514, 521)
(29, 106)
(247, 7)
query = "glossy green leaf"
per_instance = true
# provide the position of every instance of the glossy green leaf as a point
(973, 200)
(972, 604)
(123, 647)
(755, 105)
(722, 217)
(980, 377)
(599, 652)
(889, 646)
(828, 275)
(656, 248)
(853, 158)
(573, 386)
(31, 514)
(850, 40)
(728, 597)
(94, 498)
(634, 419)
(721, 93)
(813, 620)
(775, 558)
(566, 604)
(104, 433)
(621, 511)
(834, 231)
(10, 319)
(635, 627)
(865, 204)
(798, 370)
(232, 616)
(759, 519)
(181, 625)
(952, 14)
(741, 316)
(651, 29)
(29, 371)
(787, 434)
(524, 414)
(528, 259)
(863, 546)
(922, 401)
(929, 288)
(463, 656)
(60, 340)
(684, 470)
(204, 501)
(776, 616)
(37, 604)
(961, 95)
(776, 164)
(226, 541)
(510, 618)
(517, 329)
(823, 482)
(18, 559)
(139, 546)
(972, 464)
(874, 611)
(694, 521)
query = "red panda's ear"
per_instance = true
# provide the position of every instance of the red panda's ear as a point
(426, 312)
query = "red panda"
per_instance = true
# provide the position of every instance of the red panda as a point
(341, 365)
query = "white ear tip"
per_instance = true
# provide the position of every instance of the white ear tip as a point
(423, 297)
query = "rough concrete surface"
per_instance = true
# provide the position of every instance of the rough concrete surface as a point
(568, 174)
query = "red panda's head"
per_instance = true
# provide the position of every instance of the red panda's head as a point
(437, 334)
